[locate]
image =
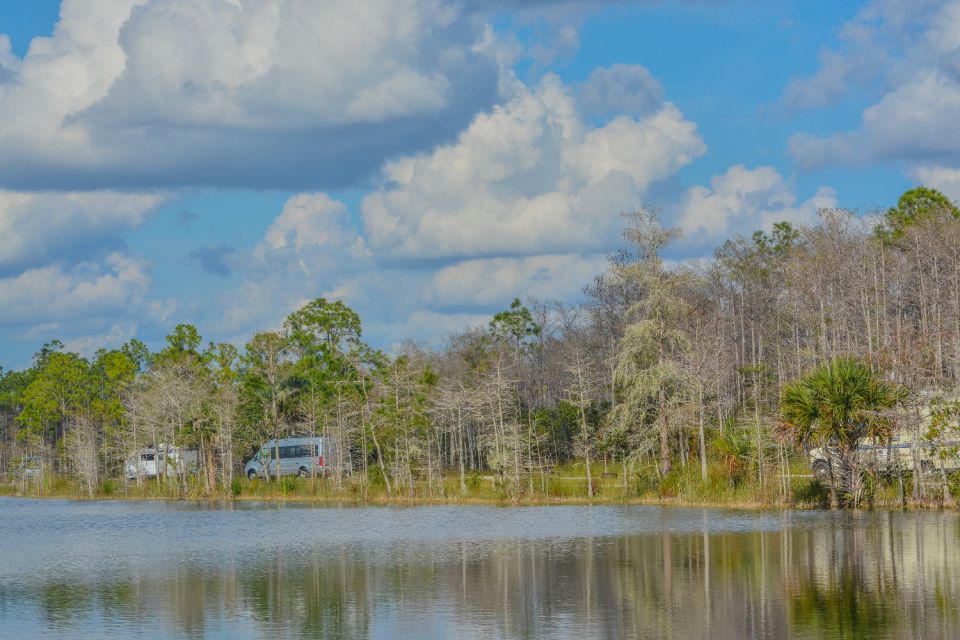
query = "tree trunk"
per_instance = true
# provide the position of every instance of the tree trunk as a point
(664, 432)
(702, 435)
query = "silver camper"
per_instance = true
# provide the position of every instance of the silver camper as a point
(305, 457)
(902, 452)
(162, 460)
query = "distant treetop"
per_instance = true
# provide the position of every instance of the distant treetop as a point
(913, 206)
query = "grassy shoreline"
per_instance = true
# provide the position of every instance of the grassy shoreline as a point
(405, 501)
(682, 489)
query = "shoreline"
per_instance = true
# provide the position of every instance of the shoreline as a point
(401, 501)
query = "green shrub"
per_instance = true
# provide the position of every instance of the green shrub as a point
(474, 480)
(375, 476)
(287, 484)
(236, 487)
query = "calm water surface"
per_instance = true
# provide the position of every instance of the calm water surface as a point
(154, 570)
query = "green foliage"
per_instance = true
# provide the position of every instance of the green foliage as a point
(812, 494)
(265, 390)
(631, 380)
(12, 386)
(837, 405)
(225, 360)
(326, 327)
(49, 348)
(184, 339)
(474, 481)
(137, 352)
(516, 324)
(62, 387)
(648, 362)
(559, 424)
(113, 373)
(735, 449)
(476, 349)
(401, 416)
(779, 242)
(840, 403)
(375, 476)
(108, 487)
(915, 205)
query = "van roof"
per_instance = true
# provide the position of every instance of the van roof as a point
(283, 442)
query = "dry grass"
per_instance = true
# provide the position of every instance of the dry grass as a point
(564, 485)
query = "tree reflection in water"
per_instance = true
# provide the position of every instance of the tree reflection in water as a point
(873, 575)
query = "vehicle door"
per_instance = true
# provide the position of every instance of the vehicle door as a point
(286, 460)
(298, 458)
(272, 462)
(148, 465)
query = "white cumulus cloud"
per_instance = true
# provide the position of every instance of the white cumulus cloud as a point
(622, 89)
(52, 293)
(496, 281)
(238, 92)
(909, 54)
(743, 200)
(312, 223)
(944, 179)
(524, 203)
(530, 177)
(37, 228)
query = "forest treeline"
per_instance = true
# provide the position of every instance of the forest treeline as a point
(665, 373)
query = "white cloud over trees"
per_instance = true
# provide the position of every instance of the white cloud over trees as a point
(474, 186)
(907, 54)
(529, 177)
(525, 202)
(263, 93)
(743, 200)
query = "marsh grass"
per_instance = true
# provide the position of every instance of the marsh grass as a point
(566, 484)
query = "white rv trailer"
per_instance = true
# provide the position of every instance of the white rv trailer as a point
(162, 460)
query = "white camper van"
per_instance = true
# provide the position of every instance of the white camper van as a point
(305, 457)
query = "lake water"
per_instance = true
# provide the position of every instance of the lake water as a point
(156, 569)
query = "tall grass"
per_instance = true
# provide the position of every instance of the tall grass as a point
(684, 485)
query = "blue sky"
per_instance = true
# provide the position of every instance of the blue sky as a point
(222, 161)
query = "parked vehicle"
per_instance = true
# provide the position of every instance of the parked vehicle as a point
(901, 452)
(305, 457)
(165, 460)
(30, 467)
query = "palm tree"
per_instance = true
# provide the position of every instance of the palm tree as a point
(837, 405)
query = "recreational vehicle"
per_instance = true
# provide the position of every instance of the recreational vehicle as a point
(162, 460)
(297, 456)
(903, 452)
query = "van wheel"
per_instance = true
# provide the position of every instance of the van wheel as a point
(303, 472)
(251, 475)
(821, 471)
